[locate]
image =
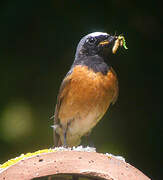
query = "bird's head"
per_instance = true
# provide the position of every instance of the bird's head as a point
(98, 43)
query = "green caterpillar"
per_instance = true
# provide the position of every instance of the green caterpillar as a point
(122, 41)
(119, 42)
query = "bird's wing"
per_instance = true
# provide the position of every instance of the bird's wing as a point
(64, 88)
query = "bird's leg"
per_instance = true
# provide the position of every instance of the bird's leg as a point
(64, 136)
(88, 139)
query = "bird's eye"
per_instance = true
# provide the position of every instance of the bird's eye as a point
(91, 40)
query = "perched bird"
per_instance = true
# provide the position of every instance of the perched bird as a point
(88, 89)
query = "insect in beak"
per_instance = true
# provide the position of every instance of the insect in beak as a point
(120, 41)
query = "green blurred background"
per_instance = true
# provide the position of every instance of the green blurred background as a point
(37, 45)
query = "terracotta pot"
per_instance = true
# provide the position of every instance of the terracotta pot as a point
(90, 164)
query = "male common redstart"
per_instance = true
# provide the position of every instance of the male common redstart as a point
(88, 89)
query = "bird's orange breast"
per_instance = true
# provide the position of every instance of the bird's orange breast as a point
(86, 98)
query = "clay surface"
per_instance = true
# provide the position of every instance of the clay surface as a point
(91, 164)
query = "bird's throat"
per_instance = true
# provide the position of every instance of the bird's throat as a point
(95, 63)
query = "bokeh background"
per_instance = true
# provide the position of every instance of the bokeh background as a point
(37, 45)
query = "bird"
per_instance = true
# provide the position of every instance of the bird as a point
(88, 89)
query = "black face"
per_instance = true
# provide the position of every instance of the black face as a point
(95, 44)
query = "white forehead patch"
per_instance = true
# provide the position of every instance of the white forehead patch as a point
(94, 34)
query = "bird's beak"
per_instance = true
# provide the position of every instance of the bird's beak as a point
(114, 42)
(103, 43)
(108, 41)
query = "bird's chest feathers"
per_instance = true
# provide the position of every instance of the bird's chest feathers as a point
(87, 99)
(88, 85)
(90, 96)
